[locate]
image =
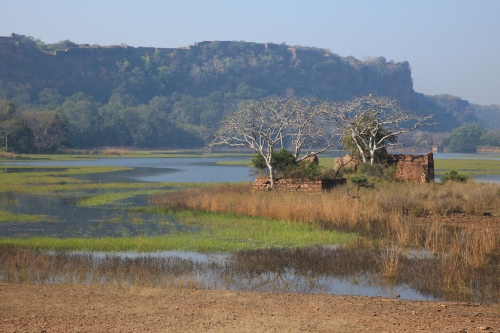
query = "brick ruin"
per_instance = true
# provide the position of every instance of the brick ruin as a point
(409, 168)
(296, 185)
(413, 168)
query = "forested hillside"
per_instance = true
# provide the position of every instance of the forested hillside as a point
(91, 96)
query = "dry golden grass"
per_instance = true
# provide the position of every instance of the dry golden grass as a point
(114, 151)
(5, 154)
(457, 221)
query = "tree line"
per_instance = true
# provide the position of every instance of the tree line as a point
(94, 96)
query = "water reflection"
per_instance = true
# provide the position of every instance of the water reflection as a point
(338, 271)
(65, 219)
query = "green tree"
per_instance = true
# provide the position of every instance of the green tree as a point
(283, 161)
(7, 110)
(491, 138)
(48, 128)
(466, 138)
(50, 99)
(84, 121)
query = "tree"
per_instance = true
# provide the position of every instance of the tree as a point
(84, 120)
(7, 111)
(373, 123)
(277, 123)
(491, 138)
(466, 138)
(47, 127)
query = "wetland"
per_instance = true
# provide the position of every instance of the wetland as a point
(165, 222)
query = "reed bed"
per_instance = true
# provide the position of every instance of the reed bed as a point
(270, 269)
(7, 155)
(455, 222)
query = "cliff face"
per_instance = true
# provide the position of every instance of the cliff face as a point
(202, 69)
(225, 72)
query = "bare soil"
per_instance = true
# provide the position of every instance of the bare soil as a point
(66, 308)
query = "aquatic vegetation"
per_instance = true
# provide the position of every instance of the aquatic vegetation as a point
(6, 216)
(110, 198)
(211, 233)
(358, 266)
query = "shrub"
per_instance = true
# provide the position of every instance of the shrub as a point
(286, 166)
(283, 161)
(373, 170)
(454, 176)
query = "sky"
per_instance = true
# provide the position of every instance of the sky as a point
(453, 46)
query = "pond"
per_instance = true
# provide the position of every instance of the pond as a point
(317, 270)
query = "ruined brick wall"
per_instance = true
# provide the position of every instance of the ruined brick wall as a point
(296, 185)
(347, 162)
(413, 168)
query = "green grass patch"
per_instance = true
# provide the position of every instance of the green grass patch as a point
(10, 217)
(468, 166)
(216, 233)
(110, 198)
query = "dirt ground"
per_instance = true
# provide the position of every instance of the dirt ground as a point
(63, 308)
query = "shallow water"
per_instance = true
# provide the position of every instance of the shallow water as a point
(207, 271)
(66, 219)
(198, 169)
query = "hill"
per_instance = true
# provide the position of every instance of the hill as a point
(159, 97)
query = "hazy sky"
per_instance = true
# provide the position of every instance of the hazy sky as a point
(453, 46)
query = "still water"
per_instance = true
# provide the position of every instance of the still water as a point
(201, 169)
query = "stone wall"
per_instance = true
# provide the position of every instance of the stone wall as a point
(346, 162)
(296, 185)
(410, 167)
(413, 168)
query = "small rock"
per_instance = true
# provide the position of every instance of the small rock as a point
(484, 328)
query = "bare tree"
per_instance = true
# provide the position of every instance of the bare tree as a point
(313, 130)
(277, 123)
(373, 123)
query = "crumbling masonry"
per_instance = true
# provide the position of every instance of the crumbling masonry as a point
(413, 168)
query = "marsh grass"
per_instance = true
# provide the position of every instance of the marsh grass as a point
(63, 179)
(469, 166)
(29, 266)
(7, 155)
(6, 216)
(456, 222)
(114, 151)
(110, 198)
(211, 233)
(269, 269)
